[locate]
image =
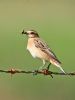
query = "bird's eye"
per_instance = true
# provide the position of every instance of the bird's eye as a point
(32, 32)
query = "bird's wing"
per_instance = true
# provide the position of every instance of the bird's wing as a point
(44, 47)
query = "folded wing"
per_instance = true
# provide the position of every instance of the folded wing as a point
(45, 48)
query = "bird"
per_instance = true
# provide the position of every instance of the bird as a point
(38, 48)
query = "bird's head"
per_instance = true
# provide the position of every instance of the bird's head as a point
(30, 33)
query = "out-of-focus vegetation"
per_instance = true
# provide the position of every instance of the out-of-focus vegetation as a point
(55, 22)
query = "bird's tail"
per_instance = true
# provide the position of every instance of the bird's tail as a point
(57, 63)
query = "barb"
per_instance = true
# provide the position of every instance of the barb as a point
(43, 72)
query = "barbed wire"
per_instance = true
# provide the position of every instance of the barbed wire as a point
(36, 72)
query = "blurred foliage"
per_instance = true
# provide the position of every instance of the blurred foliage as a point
(55, 22)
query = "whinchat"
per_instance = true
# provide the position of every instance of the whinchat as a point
(39, 49)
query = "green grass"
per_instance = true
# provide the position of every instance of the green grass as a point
(55, 22)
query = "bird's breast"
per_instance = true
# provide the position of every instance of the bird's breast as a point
(31, 50)
(31, 47)
(36, 52)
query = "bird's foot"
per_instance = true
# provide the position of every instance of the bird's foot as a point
(43, 71)
(35, 72)
(47, 72)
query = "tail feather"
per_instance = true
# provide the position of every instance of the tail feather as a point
(59, 66)
(57, 63)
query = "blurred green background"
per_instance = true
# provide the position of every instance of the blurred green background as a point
(55, 22)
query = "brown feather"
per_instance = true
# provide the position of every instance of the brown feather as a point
(44, 47)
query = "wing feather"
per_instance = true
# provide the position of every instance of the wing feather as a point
(45, 48)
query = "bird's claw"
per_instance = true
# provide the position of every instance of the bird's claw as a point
(47, 72)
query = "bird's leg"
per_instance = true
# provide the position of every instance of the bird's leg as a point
(46, 71)
(41, 68)
(48, 66)
(44, 63)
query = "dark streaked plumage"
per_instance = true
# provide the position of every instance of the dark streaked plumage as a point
(39, 43)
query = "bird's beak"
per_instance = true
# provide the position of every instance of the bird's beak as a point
(23, 32)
